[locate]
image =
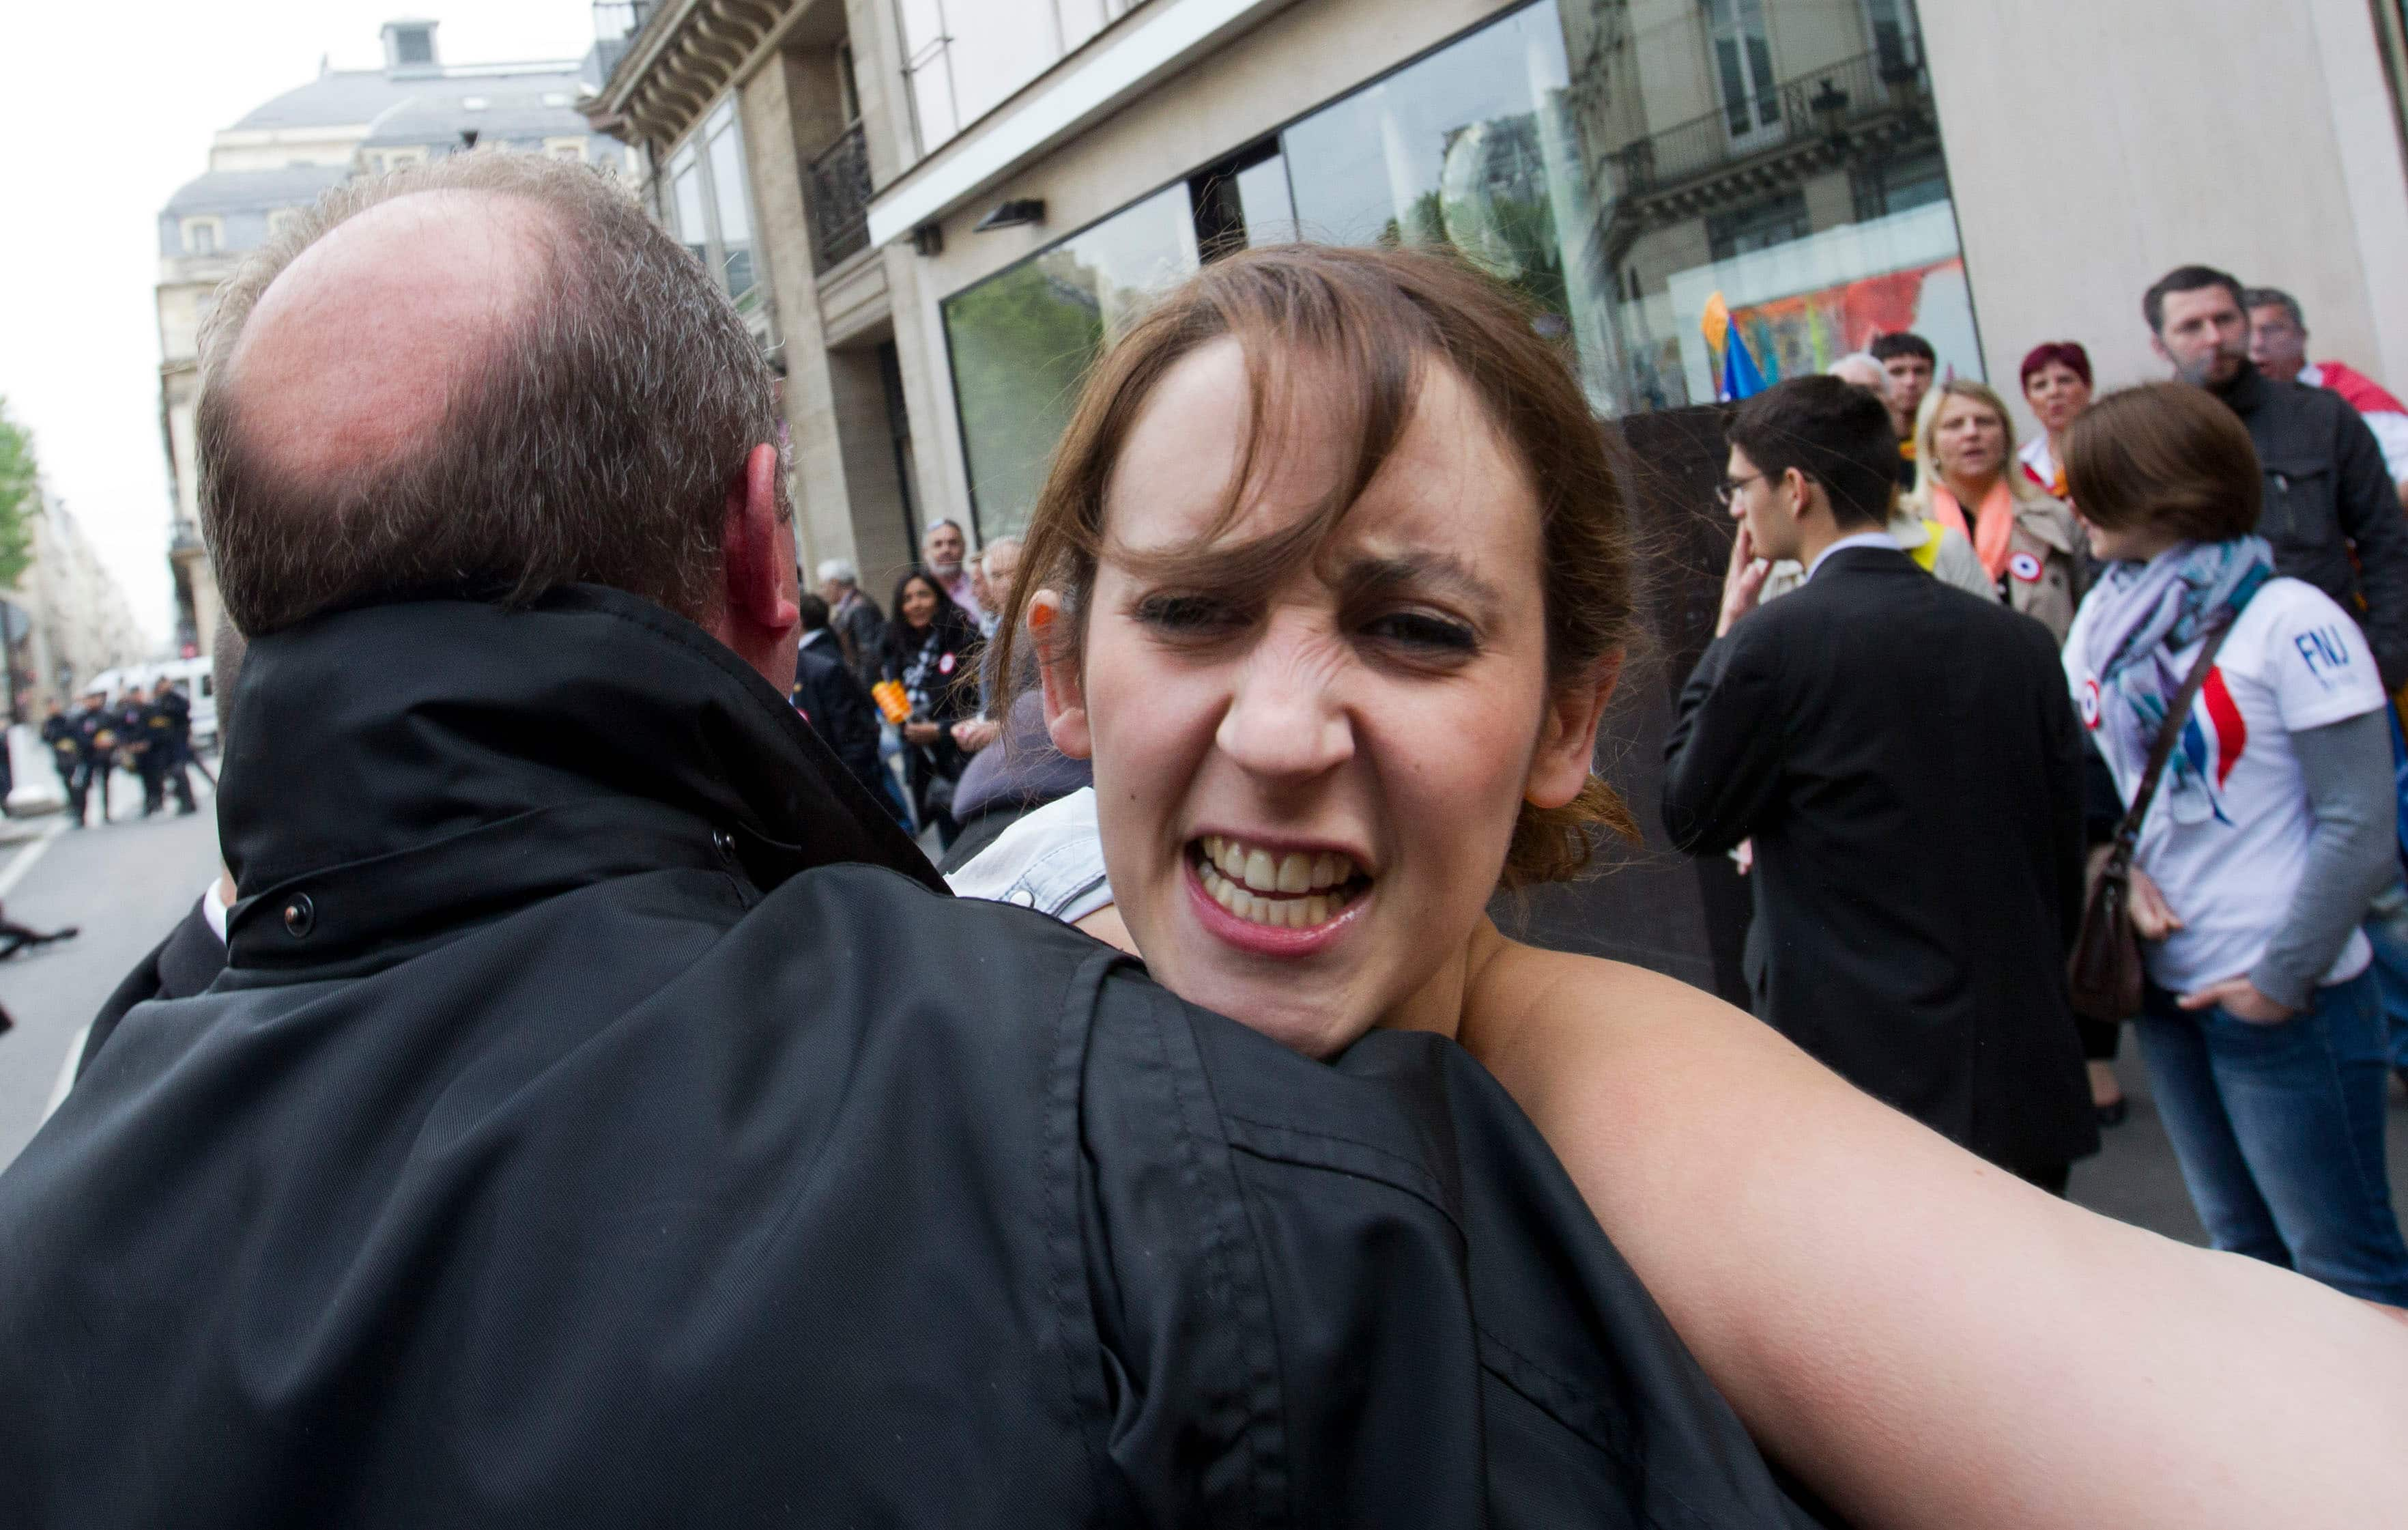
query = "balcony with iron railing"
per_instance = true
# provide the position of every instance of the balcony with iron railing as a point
(838, 183)
(1817, 118)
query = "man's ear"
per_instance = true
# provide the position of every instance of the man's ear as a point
(757, 611)
(761, 576)
(2157, 343)
(1057, 666)
(1567, 735)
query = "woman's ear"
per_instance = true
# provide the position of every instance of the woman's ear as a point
(1567, 735)
(1058, 667)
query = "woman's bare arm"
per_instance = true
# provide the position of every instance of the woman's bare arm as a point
(1925, 1338)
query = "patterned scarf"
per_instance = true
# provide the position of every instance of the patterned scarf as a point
(919, 675)
(2148, 613)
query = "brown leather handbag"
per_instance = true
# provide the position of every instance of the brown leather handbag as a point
(2103, 977)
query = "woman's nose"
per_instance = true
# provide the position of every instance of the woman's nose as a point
(1284, 717)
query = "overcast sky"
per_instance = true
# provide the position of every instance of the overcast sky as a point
(106, 110)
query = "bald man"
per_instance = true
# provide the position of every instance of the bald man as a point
(604, 1118)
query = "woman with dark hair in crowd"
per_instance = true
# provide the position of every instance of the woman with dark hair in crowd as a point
(2056, 385)
(2026, 541)
(2272, 829)
(931, 648)
(1279, 581)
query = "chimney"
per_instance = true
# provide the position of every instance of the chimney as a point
(409, 49)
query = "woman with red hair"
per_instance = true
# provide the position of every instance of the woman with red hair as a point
(2056, 385)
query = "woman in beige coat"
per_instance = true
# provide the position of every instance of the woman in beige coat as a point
(1966, 480)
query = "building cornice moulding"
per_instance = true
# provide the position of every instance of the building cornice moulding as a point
(687, 56)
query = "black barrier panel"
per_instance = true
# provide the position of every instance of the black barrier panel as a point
(1649, 905)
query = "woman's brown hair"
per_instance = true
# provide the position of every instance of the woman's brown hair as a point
(1348, 333)
(2167, 454)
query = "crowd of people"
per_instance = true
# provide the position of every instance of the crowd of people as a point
(913, 687)
(604, 1117)
(147, 731)
(1922, 787)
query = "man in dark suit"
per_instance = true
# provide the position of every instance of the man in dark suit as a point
(1907, 761)
(832, 698)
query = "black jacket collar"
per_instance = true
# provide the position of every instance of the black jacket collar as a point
(399, 773)
(1862, 560)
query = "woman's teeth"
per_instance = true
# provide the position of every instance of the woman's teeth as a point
(1237, 875)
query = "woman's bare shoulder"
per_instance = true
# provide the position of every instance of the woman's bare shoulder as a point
(1525, 1004)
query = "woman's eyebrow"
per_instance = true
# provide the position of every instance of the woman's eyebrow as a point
(1369, 574)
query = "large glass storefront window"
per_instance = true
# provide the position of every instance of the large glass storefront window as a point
(1781, 153)
(1022, 340)
(1619, 163)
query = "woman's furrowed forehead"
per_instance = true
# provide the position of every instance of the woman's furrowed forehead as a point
(1447, 477)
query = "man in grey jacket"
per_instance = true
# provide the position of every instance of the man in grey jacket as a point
(2327, 494)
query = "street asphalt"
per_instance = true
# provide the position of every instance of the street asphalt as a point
(124, 885)
(128, 883)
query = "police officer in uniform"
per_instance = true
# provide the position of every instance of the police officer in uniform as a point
(134, 743)
(67, 753)
(166, 722)
(179, 762)
(98, 727)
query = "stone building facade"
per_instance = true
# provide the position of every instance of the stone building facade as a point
(936, 211)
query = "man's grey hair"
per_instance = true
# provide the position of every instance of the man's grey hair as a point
(839, 570)
(595, 441)
(2276, 298)
(1862, 367)
(990, 549)
(935, 526)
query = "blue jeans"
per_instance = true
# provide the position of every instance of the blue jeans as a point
(2386, 926)
(2279, 1133)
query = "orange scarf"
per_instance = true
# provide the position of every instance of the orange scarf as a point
(1994, 524)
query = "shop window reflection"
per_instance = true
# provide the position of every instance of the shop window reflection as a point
(1586, 151)
(1472, 147)
(1022, 340)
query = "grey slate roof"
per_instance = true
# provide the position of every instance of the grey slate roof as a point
(344, 97)
(242, 199)
(226, 190)
(403, 107)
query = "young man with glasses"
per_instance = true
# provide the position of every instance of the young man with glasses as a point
(1906, 763)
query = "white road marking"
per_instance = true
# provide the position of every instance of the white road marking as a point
(16, 869)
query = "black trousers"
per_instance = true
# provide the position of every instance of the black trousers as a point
(88, 773)
(2100, 1038)
(155, 779)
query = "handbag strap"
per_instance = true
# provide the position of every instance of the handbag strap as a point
(2127, 833)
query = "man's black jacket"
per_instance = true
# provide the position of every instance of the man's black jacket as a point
(183, 964)
(180, 718)
(1907, 760)
(2328, 497)
(834, 701)
(606, 1119)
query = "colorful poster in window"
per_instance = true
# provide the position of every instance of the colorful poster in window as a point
(1798, 334)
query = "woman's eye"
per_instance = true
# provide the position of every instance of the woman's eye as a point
(1189, 615)
(1427, 634)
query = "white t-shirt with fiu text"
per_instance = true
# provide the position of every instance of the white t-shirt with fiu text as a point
(2229, 860)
